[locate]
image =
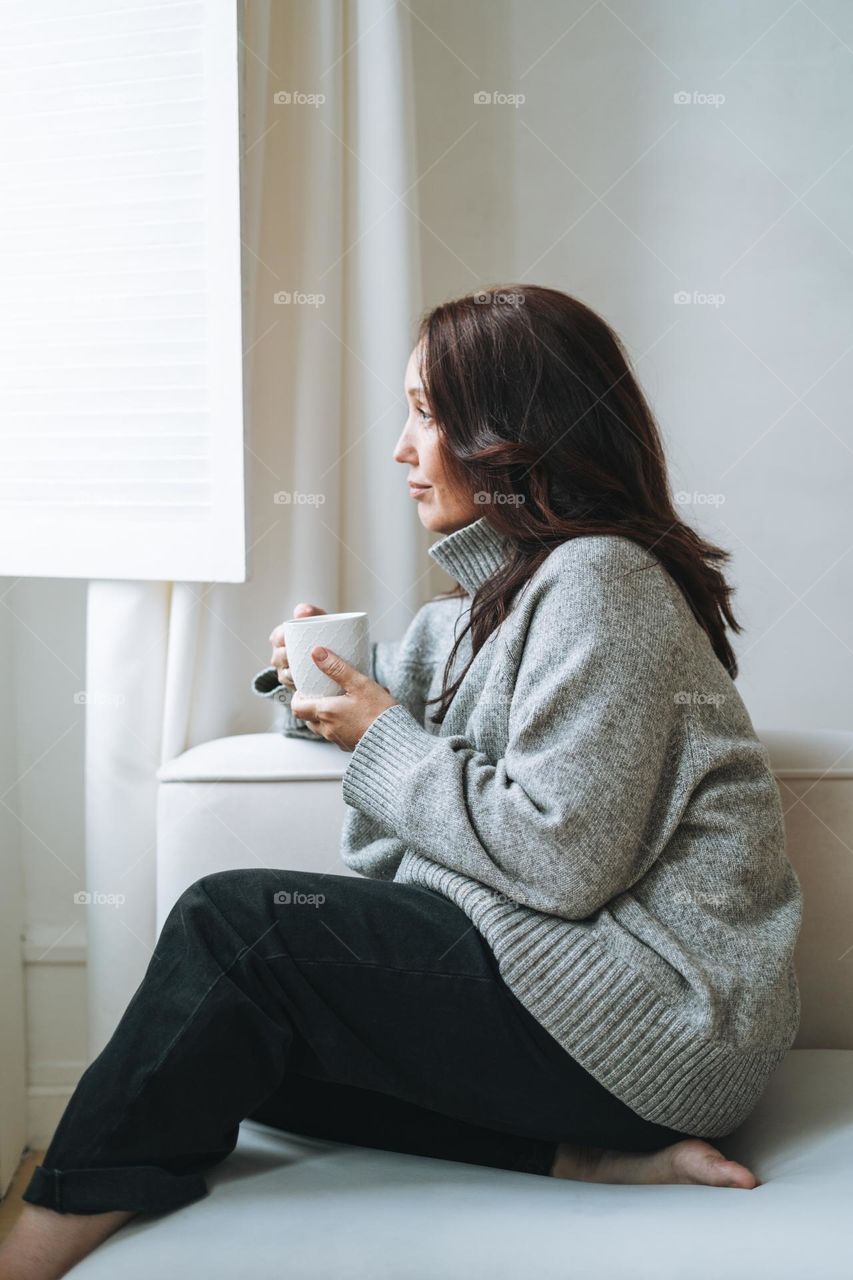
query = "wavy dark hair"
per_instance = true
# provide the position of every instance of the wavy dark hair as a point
(533, 397)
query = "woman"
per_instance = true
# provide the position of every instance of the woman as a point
(570, 950)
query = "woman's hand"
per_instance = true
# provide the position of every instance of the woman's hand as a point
(344, 717)
(279, 653)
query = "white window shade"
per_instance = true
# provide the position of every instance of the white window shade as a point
(121, 401)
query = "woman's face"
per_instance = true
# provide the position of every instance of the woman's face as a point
(441, 507)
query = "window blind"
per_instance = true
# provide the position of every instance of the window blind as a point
(121, 399)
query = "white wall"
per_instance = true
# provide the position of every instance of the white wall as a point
(693, 188)
(43, 740)
(693, 197)
(13, 1130)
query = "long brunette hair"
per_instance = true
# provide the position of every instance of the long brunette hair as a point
(542, 421)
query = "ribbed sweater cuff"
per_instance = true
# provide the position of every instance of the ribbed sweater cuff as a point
(392, 744)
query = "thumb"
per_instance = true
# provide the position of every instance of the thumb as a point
(341, 671)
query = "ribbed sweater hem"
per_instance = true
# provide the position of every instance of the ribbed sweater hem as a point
(600, 1010)
(605, 1016)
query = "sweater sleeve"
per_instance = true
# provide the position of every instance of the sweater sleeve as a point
(266, 685)
(559, 822)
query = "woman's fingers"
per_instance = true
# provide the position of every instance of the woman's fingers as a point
(279, 659)
(279, 652)
(301, 611)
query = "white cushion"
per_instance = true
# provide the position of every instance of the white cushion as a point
(256, 757)
(306, 1209)
(247, 757)
(254, 800)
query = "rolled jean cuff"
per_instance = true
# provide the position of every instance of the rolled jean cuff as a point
(143, 1188)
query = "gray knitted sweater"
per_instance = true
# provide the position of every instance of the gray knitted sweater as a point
(598, 804)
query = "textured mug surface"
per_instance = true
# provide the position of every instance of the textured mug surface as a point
(346, 634)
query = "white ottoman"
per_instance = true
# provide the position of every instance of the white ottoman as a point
(257, 800)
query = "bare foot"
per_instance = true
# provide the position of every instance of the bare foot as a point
(44, 1245)
(692, 1160)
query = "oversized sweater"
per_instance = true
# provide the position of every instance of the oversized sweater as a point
(598, 804)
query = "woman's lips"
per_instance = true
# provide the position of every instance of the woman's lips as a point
(416, 490)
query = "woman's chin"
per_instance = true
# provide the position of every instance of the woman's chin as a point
(429, 517)
(437, 518)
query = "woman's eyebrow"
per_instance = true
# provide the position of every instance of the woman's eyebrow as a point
(415, 391)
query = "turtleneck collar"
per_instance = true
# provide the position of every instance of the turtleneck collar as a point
(471, 554)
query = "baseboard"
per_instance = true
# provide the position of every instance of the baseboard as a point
(54, 944)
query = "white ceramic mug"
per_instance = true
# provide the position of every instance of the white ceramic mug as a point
(347, 634)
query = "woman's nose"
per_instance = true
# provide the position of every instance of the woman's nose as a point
(404, 451)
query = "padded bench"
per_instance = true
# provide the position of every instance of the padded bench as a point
(307, 1209)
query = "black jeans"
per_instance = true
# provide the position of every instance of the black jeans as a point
(346, 1008)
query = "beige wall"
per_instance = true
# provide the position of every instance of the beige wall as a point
(695, 198)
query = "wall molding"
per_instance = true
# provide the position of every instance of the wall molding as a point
(54, 959)
(54, 944)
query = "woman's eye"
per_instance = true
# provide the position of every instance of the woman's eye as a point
(424, 415)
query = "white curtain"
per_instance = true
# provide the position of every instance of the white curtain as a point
(328, 209)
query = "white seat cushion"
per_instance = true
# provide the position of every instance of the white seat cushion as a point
(256, 757)
(305, 1209)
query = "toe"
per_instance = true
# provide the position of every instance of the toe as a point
(696, 1160)
(732, 1174)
